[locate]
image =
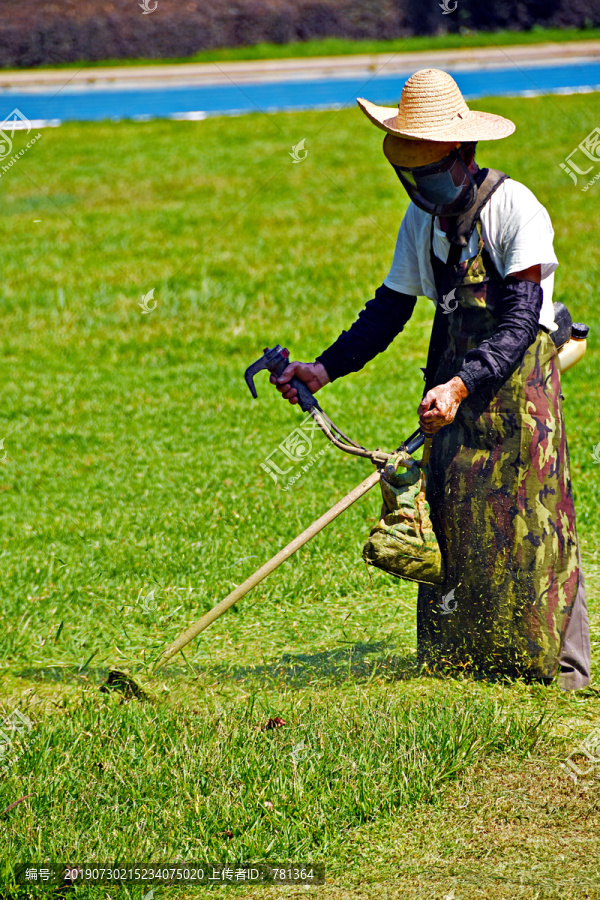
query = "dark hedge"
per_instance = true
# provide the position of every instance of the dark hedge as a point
(38, 32)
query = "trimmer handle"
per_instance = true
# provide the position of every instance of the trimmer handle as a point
(306, 399)
(416, 440)
(276, 362)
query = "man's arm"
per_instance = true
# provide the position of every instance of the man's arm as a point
(486, 368)
(382, 319)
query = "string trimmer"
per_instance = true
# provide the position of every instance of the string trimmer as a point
(276, 361)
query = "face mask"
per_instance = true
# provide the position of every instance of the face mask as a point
(444, 188)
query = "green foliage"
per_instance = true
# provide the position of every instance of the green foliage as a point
(337, 46)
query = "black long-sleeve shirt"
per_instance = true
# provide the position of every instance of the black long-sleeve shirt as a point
(484, 369)
(382, 319)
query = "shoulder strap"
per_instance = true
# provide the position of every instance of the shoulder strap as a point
(462, 227)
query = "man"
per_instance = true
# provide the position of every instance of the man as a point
(480, 246)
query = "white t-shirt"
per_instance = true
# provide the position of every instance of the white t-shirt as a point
(516, 231)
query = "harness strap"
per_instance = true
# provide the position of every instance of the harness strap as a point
(459, 235)
(454, 255)
(462, 227)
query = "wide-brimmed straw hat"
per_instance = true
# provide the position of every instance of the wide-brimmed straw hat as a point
(410, 154)
(432, 109)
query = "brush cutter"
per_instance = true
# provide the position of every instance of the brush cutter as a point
(405, 519)
(276, 361)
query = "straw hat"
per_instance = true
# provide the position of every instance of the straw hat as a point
(433, 109)
(410, 153)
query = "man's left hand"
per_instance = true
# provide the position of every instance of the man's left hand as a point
(440, 405)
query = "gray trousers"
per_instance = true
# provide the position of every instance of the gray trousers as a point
(575, 655)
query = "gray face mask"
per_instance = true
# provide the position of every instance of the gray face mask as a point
(444, 188)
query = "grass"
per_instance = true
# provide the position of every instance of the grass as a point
(348, 764)
(464, 39)
(134, 499)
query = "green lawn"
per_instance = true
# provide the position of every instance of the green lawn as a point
(133, 499)
(464, 39)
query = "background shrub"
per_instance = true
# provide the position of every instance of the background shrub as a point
(41, 32)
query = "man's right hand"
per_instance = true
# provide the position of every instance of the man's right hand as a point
(314, 376)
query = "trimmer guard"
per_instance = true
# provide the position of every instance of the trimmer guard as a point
(403, 542)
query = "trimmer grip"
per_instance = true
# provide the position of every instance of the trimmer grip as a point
(415, 441)
(277, 361)
(306, 400)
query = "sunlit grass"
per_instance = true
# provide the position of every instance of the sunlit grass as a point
(133, 468)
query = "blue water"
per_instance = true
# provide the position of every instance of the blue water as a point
(91, 105)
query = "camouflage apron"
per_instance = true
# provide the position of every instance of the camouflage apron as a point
(499, 489)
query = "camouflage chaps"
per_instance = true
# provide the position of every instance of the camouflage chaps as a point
(501, 505)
